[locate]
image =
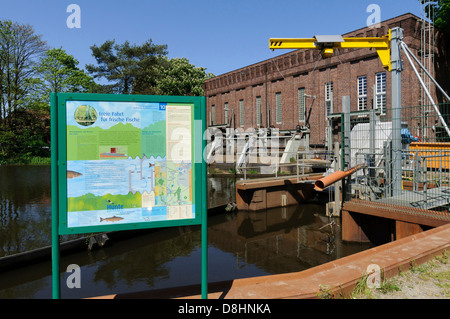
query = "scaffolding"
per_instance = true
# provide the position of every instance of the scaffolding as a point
(426, 53)
(425, 164)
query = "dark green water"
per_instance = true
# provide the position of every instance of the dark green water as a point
(240, 244)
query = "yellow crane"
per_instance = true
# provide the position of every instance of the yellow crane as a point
(388, 49)
(327, 43)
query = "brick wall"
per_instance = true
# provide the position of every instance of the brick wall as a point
(307, 69)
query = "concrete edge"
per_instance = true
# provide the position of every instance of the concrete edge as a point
(341, 276)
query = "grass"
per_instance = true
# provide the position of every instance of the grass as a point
(425, 272)
(362, 289)
(36, 160)
(428, 272)
(389, 285)
(26, 160)
(325, 292)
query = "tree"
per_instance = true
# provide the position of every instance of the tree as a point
(19, 49)
(129, 67)
(58, 72)
(22, 131)
(178, 77)
(27, 136)
(439, 12)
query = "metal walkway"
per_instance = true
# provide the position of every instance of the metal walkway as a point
(409, 214)
(424, 199)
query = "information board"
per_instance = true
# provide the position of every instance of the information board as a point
(129, 162)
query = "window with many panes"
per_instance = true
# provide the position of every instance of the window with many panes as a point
(278, 108)
(329, 98)
(362, 92)
(380, 92)
(258, 110)
(241, 113)
(301, 104)
(226, 109)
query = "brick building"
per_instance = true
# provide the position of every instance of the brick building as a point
(290, 89)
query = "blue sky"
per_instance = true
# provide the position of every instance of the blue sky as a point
(218, 35)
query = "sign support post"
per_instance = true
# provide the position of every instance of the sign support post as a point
(204, 230)
(56, 287)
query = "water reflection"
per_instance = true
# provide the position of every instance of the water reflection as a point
(221, 191)
(281, 240)
(240, 244)
(25, 208)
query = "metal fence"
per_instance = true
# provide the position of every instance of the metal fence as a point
(424, 157)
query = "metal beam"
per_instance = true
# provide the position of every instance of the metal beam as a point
(381, 44)
(287, 43)
(406, 214)
(312, 43)
(436, 109)
(397, 67)
(404, 46)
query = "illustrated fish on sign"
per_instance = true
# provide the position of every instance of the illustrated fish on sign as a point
(111, 219)
(73, 174)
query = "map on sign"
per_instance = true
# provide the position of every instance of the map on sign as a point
(128, 162)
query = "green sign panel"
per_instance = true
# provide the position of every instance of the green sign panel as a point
(129, 162)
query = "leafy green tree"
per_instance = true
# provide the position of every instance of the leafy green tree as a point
(59, 72)
(22, 131)
(439, 12)
(130, 68)
(19, 49)
(178, 77)
(28, 135)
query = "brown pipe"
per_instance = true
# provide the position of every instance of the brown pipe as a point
(326, 181)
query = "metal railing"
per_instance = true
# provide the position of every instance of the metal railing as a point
(299, 160)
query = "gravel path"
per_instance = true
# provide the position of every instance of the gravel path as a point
(427, 281)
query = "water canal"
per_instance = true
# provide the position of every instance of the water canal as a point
(240, 244)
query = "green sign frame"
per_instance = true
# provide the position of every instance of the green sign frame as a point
(78, 207)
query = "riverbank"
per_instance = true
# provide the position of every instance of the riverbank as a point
(26, 160)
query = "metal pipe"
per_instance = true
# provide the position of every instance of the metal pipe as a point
(326, 181)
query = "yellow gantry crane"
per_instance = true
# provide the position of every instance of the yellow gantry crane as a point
(388, 49)
(327, 44)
